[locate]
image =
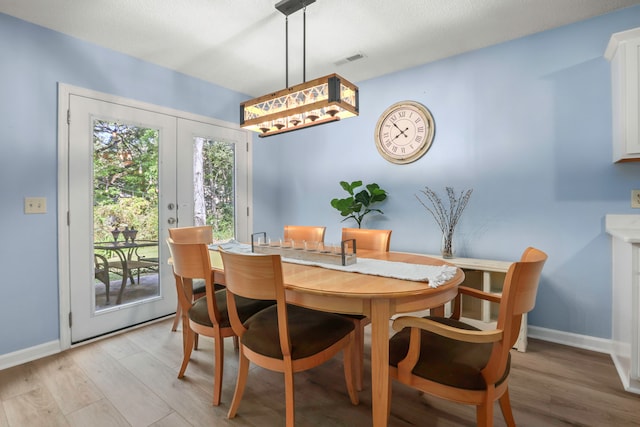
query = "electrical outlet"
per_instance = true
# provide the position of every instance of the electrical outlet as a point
(35, 205)
(635, 198)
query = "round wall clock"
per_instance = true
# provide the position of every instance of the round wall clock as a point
(404, 132)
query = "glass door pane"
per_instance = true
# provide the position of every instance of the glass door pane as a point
(125, 213)
(213, 179)
(214, 187)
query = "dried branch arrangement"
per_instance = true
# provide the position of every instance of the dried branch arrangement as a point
(446, 217)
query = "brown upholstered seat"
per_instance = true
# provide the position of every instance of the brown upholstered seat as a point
(283, 338)
(310, 332)
(450, 359)
(246, 308)
(446, 361)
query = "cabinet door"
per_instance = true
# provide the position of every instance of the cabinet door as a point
(624, 52)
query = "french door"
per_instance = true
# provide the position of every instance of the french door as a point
(213, 183)
(133, 171)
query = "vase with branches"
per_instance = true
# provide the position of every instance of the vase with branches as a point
(447, 217)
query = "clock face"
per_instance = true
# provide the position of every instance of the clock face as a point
(404, 132)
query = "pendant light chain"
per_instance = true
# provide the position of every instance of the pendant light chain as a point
(304, 47)
(286, 48)
(304, 44)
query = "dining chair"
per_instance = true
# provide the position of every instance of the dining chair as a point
(284, 338)
(140, 264)
(307, 233)
(208, 315)
(366, 238)
(116, 266)
(453, 360)
(193, 234)
(101, 272)
(377, 240)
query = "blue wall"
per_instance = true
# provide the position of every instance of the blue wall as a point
(34, 60)
(526, 124)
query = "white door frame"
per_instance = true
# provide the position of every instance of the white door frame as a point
(64, 92)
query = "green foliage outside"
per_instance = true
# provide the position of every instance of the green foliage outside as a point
(218, 167)
(125, 171)
(125, 183)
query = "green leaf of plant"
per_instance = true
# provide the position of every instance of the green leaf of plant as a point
(363, 197)
(357, 206)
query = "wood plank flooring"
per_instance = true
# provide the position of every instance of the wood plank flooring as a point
(130, 380)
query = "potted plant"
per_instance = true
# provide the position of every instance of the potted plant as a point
(357, 205)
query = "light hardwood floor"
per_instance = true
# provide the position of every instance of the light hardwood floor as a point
(130, 380)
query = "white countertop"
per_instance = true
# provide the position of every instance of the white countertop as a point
(624, 227)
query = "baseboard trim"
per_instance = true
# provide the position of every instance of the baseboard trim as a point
(29, 354)
(585, 342)
(600, 345)
(20, 357)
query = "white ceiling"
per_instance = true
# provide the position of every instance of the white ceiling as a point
(240, 44)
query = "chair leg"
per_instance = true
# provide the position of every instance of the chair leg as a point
(218, 344)
(176, 319)
(290, 404)
(106, 286)
(505, 406)
(350, 378)
(483, 418)
(484, 411)
(187, 346)
(389, 398)
(104, 278)
(243, 371)
(358, 357)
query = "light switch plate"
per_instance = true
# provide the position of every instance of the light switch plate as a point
(35, 205)
(635, 199)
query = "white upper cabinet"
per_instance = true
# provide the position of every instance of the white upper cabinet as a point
(624, 53)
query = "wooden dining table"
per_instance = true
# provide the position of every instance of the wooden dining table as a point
(377, 297)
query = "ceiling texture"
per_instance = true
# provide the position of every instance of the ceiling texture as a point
(240, 44)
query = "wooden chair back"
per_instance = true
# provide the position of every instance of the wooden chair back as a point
(376, 240)
(519, 293)
(194, 234)
(308, 233)
(256, 277)
(518, 297)
(191, 261)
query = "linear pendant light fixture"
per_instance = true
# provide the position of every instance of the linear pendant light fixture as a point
(323, 100)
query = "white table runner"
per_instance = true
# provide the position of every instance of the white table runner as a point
(435, 275)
